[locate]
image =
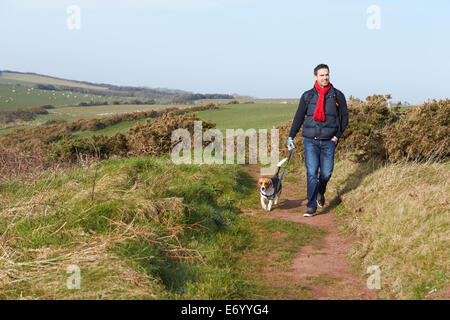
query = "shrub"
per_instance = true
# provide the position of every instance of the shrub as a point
(26, 114)
(92, 103)
(103, 147)
(422, 135)
(53, 122)
(364, 133)
(44, 87)
(155, 137)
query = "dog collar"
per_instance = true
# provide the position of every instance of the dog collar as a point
(268, 195)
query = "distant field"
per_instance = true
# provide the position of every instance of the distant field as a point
(121, 127)
(17, 96)
(246, 116)
(30, 79)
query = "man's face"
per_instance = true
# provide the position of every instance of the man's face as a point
(322, 77)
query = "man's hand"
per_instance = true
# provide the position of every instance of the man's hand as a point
(290, 143)
(334, 139)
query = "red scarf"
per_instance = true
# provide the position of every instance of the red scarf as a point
(319, 113)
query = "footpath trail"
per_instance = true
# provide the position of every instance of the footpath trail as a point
(322, 265)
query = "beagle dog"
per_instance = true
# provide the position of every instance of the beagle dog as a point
(270, 188)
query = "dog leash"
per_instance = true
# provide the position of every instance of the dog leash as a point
(285, 167)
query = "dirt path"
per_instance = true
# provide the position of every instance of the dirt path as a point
(321, 266)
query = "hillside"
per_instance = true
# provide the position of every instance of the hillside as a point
(46, 82)
(29, 99)
(32, 79)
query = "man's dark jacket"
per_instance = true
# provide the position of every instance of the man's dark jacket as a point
(320, 129)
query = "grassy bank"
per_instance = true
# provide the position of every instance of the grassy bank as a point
(146, 229)
(399, 214)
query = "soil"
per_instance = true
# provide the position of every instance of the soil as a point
(321, 266)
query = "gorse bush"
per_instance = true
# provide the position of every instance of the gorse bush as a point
(155, 137)
(40, 147)
(102, 147)
(25, 151)
(422, 135)
(35, 140)
(54, 122)
(27, 114)
(376, 132)
(364, 133)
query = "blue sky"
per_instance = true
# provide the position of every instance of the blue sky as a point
(266, 49)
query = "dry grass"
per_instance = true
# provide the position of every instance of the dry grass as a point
(400, 214)
(138, 228)
(53, 223)
(43, 273)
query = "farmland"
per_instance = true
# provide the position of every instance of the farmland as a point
(260, 113)
(18, 96)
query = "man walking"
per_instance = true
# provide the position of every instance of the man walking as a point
(324, 115)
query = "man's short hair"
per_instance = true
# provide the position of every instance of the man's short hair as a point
(320, 66)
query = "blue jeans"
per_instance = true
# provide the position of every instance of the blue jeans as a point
(318, 154)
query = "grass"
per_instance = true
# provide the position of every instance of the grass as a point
(121, 127)
(399, 217)
(16, 96)
(149, 229)
(323, 279)
(246, 116)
